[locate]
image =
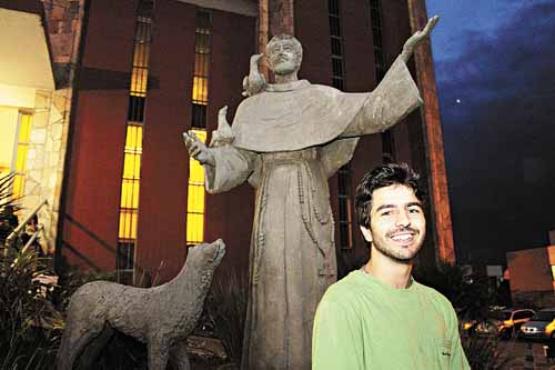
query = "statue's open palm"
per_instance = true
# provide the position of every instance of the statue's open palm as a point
(418, 36)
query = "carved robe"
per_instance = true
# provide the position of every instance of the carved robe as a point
(288, 141)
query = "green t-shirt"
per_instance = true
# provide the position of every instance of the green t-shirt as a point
(361, 324)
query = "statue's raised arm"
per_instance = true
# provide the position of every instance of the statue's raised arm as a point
(395, 96)
(417, 37)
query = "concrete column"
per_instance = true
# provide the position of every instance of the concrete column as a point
(443, 235)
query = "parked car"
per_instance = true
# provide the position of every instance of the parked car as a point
(504, 323)
(541, 326)
(469, 326)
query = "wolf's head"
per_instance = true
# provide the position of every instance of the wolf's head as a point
(205, 256)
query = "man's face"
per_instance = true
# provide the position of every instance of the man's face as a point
(283, 56)
(397, 222)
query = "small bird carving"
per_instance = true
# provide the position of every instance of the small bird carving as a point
(255, 81)
(223, 135)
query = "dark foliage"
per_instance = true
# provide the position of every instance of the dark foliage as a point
(225, 312)
(30, 325)
(470, 294)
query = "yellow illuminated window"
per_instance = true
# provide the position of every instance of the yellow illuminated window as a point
(200, 89)
(553, 271)
(195, 188)
(195, 198)
(139, 79)
(130, 183)
(201, 70)
(129, 194)
(22, 150)
(141, 52)
(128, 224)
(129, 202)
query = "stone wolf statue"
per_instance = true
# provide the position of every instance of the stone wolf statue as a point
(162, 317)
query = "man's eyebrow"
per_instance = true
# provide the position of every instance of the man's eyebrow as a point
(411, 204)
(384, 206)
(389, 206)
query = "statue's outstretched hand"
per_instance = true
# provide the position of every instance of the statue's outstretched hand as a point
(197, 149)
(417, 38)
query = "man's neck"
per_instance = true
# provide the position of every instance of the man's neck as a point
(393, 273)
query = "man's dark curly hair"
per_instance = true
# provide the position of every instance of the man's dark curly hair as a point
(380, 177)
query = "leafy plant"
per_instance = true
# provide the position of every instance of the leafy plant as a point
(226, 307)
(30, 326)
(29, 323)
(483, 353)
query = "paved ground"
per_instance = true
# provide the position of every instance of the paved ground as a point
(524, 355)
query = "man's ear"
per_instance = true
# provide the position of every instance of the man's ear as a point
(367, 234)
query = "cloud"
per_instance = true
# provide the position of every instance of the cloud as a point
(500, 139)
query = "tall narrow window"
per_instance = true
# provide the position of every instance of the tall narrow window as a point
(345, 207)
(388, 143)
(344, 174)
(195, 186)
(336, 44)
(22, 149)
(376, 24)
(130, 184)
(195, 198)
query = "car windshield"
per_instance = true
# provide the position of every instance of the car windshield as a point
(499, 315)
(544, 316)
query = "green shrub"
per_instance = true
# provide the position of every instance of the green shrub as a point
(30, 326)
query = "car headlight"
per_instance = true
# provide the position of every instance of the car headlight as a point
(467, 325)
(550, 328)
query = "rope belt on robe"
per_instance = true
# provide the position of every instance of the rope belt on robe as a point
(301, 157)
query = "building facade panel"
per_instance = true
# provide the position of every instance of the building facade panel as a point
(161, 243)
(312, 30)
(395, 27)
(357, 46)
(109, 34)
(91, 201)
(229, 216)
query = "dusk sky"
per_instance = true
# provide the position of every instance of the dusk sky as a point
(495, 71)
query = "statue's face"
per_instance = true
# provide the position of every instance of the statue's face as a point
(284, 57)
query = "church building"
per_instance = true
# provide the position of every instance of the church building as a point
(91, 121)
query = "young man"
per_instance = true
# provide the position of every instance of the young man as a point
(378, 317)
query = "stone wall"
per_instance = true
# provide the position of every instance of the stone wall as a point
(50, 122)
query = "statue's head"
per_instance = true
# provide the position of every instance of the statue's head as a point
(285, 53)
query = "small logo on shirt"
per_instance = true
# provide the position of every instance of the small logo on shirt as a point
(445, 353)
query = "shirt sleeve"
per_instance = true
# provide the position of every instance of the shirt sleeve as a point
(337, 338)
